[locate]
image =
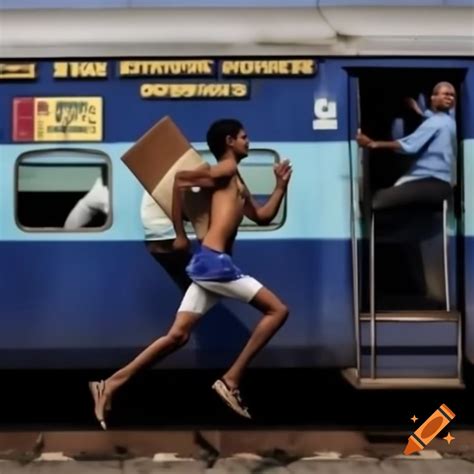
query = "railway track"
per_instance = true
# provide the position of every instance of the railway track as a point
(229, 451)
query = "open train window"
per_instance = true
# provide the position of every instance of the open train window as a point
(257, 172)
(63, 190)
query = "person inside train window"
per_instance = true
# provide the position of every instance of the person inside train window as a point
(159, 238)
(430, 178)
(212, 269)
(95, 202)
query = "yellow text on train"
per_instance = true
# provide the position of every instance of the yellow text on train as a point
(79, 70)
(187, 91)
(272, 67)
(198, 67)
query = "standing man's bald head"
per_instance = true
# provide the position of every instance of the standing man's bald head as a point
(437, 87)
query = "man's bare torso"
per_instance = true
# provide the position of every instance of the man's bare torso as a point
(226, 214)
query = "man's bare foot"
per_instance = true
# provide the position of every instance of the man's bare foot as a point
(101, 401)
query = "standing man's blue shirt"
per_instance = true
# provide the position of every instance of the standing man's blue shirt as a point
(434, 141)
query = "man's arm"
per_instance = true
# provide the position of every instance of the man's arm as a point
(263, 215)
(204, 177)
(413, 143)
(80, 216)
(410, 144)
(366, 142)
(87, 207)
(412, 104)
(181, 240)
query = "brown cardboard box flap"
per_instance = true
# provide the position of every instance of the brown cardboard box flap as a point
(156, 157)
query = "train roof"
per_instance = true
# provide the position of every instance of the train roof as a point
(236, 27)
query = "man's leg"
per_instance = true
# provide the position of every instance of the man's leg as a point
(195, 303)
(275, 313)
(176, 337)
(425, 192)
(420, 191)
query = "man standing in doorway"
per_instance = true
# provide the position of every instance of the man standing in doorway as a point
(434, 142)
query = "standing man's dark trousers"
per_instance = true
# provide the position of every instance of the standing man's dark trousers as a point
(420, 191)
(410, 199)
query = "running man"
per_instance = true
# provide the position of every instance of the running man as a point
(211, 268)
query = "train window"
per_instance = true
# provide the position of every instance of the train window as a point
(63, 190)
(257, 172)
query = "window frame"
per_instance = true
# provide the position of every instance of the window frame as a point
(58, 230)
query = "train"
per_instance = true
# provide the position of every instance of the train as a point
(75, 98)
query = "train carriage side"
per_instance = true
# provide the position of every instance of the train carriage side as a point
(93, 297)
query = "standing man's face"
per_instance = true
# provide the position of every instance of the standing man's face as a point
(240, 144)
(444, 98)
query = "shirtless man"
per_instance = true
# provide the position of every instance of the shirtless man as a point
(211, 268)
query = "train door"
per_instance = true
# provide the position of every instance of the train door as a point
(407, 274)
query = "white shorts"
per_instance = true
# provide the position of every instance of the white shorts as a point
(201, 296)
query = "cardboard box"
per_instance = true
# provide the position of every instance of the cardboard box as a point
(156, 158)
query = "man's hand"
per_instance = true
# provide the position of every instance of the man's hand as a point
(412, 104)
(282, 172)
(363, 140)
(181, 244)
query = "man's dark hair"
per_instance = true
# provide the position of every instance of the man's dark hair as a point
(218, 132)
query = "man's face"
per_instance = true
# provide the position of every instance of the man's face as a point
(444, 98)
(240, 144)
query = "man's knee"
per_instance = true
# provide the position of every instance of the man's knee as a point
(377, 204)
(381, 199)
(281, 311)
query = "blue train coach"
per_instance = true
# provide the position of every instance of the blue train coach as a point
(388, 299)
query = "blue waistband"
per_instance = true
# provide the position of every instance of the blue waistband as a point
(211, 265)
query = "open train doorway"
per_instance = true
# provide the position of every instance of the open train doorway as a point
(410, 273)
(407, 264)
